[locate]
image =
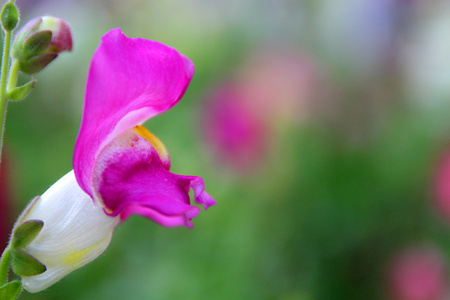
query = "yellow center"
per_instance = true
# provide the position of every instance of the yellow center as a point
(156, 143)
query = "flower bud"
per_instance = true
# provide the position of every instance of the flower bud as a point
(9, 16)
(74, 232)
(40, 41)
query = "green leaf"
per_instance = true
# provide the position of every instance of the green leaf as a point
(25, 233)
(23, 264)
(20, 92)
(36, 43)
(10, 291)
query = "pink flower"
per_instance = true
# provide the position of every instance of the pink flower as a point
(442, 186)
(235, 131)
(120, 168)
(418, 274)
(244, 115)
(282, 85)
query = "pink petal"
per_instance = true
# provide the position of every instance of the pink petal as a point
(130, 178)
(164, 220)
(129, 81)
(418, 274)
(442, 185)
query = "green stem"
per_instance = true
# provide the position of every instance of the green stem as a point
(13, 75)
(4, 266)
(3, 75)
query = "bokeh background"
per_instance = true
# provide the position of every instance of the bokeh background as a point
(320, 127)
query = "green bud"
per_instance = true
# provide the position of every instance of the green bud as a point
(23, 264)
(39, 42)
(11, 290)
(25, 233)
(9, 16)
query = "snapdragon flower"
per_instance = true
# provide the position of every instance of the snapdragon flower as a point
(120, 168)
(234, 130)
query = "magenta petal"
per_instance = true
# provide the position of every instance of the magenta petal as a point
(152, 214)
(201, 197)
(129, 178)
(129, 81)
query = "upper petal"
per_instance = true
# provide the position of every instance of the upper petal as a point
(129, 81)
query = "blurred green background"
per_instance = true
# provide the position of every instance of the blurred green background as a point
(350, 99)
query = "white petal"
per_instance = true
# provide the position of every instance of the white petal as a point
(75, 232)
